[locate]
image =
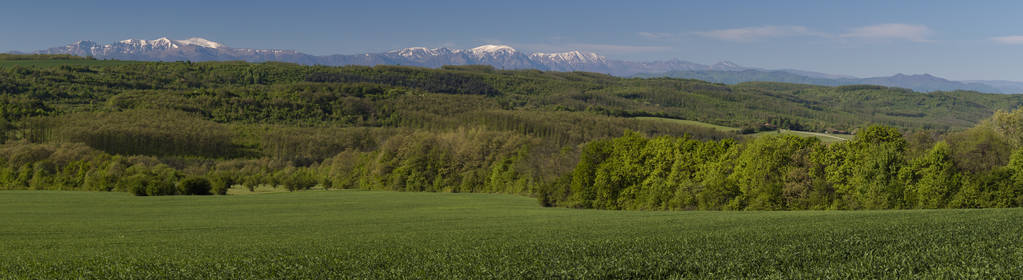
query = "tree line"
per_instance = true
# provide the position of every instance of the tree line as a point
(880, 169)
(148, 128)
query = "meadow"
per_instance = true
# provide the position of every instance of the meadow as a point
(824, 137)
(393, 235)
(692, 123)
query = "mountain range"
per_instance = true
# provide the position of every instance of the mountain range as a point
(917, 82)
(499, 56)
(506, 57)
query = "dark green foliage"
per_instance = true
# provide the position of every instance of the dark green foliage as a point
(195, 186)
(296, 179)
(410, 77)
(162, 187)
(143, 184)
(221, 181)
(146, 132)
(280, 93)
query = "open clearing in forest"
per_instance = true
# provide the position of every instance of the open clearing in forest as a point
(363, 234)
(691, 123)
(824, 137)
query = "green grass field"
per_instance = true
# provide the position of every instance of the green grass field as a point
(59, 62)
(826, 138)
(380, 235)
(692, 123)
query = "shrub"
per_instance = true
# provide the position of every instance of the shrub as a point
(161, 187)
(136, 184)
(221, 182)
(195, 186)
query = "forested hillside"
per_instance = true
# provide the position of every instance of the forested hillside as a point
(184, 128)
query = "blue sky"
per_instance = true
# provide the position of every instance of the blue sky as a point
(953, 39)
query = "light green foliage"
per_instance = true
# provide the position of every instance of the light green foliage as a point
(632, 172)
(762, 167)
(783, 172)
(657, 189)
(875, 159)
(623, 169)
(1007, 124)
(933, 179)
(594, 154)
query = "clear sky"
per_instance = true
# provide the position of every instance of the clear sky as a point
(954, 39)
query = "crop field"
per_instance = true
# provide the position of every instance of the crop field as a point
(381, 235)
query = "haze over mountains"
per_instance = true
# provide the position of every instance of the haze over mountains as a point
(506, 57)
(917, 82)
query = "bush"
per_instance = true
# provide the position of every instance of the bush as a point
(195, 186)
(221, 182)
(161, 187)
(295, 179)
(136, 184)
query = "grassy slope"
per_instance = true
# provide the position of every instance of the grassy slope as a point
(692, 123)
(826, 138)
(342, 234)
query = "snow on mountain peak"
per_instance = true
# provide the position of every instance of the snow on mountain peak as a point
(492, 49)
(417, 52)
(163, 42)
(196, 41)
(570, 57)
(134, 42)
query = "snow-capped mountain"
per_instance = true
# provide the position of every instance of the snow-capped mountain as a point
(130, 46)
(569, 57)
(164, 49)
(499, 56)
(492, 51)
(570, 61)
(506, 57)
(502, 57)
(420, 52)
(195, 41)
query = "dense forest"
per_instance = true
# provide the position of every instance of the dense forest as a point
(569, 138)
